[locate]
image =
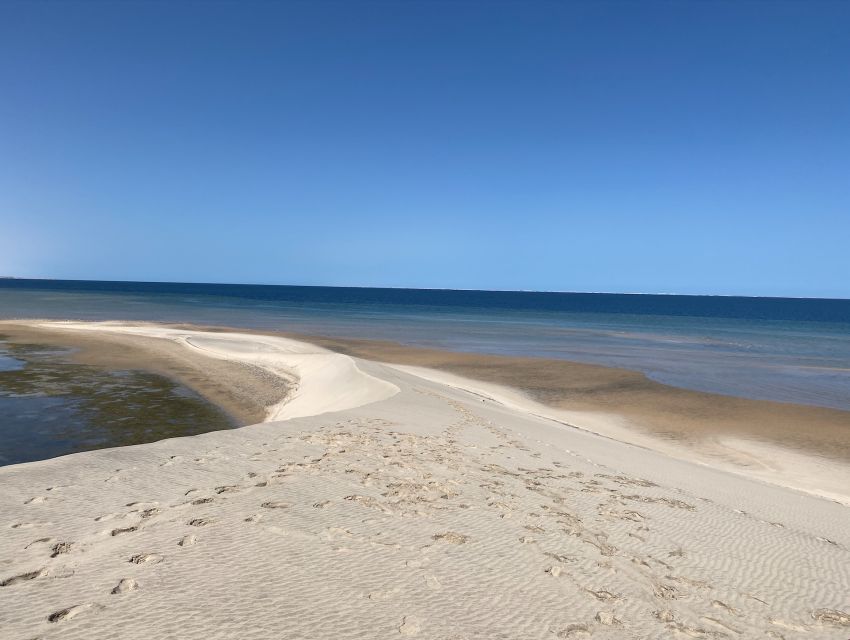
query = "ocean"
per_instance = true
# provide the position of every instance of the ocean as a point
(784, 349)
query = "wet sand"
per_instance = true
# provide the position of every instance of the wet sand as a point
(660, 410)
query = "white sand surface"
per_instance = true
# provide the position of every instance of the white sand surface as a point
(764, 461)
(320, 380)
(407, 507)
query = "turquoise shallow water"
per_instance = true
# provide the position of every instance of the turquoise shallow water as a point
(789, 350)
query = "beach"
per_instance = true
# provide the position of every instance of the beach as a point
(385, 500)
(449, 321)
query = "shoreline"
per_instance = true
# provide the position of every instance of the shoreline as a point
(758, 439)
(384, 501)
(796, 446)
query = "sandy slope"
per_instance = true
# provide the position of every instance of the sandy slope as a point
(771, 463)
(320, 380)
(408, 508)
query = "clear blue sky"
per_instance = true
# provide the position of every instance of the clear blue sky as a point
(691, 147)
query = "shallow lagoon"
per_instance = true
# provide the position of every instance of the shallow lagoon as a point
(51, 406)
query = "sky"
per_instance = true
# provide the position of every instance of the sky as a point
(687, 147)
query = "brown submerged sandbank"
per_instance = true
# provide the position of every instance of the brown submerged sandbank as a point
(242, 391)
(672, 413)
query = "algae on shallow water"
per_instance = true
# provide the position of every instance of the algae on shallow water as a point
(51, 406)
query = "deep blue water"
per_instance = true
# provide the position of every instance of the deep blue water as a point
(742, 308)
(795, 350)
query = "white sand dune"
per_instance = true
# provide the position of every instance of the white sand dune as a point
(407, 507)
(320, 380)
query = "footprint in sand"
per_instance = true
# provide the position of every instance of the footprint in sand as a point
(664, 591)
(59, 548)
(410, 626)
(785, 624)
(556, 570)
(126, 585)
(607, 618)
(21, 577)
(199, 522)
(187, 541)
(574, 631)
(147, 558)
(36, 500)
(722, 605)
(664, 615)
(71, 612)
(832, 617)
(119, 531)
(451, 537)
(276, 505)
(693, 632)
(602, 595)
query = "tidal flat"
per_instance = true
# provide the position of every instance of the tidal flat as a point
(51, 405)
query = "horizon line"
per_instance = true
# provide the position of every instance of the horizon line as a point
(402, 288)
